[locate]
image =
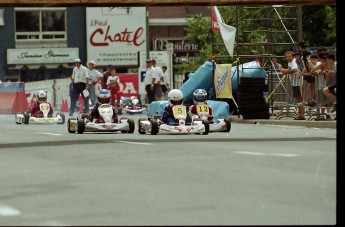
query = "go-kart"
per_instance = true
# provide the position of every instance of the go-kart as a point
(155, 125)
(219, 125)
(43, 118)
(133, 106)
(106, 123)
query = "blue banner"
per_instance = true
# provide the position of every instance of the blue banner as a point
(12, 87)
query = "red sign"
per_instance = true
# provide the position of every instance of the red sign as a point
(129, 84)
(214, 22)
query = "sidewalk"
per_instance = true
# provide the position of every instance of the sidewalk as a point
(287, 121)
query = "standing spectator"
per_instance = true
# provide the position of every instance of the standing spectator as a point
(150, 80)
(293, 72)
(106, 74)
(276, 66)
(158, 88)
(310, 80)
(80, 80)
(164, 83)
(24, 73)
(113, 85)
(94, 76)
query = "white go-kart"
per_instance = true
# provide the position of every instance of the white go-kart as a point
(105, 124)
(180, 126)
(220, 125)
(27, 118)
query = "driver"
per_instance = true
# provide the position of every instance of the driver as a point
(41, 97)
(103, 97)
(175, 97)
(199, 98)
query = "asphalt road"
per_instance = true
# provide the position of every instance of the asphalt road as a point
(255, 175)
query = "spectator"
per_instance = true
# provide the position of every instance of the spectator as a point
(94, 76)
(158, 88)
(275, 64)
(293, 72)
(106, 74)
(24, 73)
(150, 80)
(80, 80)
(310, 80)
(113, 85)
(255, 57)
(164, 83)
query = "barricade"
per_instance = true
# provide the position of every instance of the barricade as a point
(12, 98)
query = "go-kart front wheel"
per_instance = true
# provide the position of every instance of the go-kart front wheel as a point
(154, 127)
(131, 125)
(81, 126)
(26, 118)
(62, 115)
(207, 127)
(228, 124)
(69, 125)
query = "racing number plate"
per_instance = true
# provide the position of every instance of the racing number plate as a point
(202, 109)
(179, 110)
(104, 110)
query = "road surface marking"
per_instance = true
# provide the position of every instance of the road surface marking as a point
(8, 211)
(272, 154)
(134, 142)
(47, 133)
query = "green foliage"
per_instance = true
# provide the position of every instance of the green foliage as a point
(261, 24)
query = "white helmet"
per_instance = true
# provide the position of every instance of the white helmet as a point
(103, 96)
(41, 96)
(199, 96)
(175, 97)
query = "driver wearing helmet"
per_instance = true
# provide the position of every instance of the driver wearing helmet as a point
(103, 97)
(175, 97)
(41, 97)
(199, 98)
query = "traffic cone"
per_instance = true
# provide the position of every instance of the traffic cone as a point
(64, 106)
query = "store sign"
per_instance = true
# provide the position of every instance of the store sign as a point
(42, 56)
(183, 51)
(115, 35)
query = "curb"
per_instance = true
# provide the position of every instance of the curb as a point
(272, 121)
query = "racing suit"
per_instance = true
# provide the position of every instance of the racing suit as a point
(194, 114)
(168, 116)
(36, 112)
(95, 115)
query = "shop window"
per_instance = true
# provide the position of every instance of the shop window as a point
(37, 24)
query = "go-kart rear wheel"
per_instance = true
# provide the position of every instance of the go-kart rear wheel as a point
(69, 125)
(228, 124)
(62, 115)
(81, 126)
(131, 125)
(140, 127)
(26, 118)
(154, 127)
(207, 127)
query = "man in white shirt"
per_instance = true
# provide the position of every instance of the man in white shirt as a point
(80, 82)
(294, 75)
(94, 76)
(159, 73)
(150, 81)
(164, 82)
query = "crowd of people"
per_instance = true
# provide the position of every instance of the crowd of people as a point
(313, 79)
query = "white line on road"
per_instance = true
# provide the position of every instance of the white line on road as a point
(272, 154)
(134, 142)
(47, 133)
(8, 211)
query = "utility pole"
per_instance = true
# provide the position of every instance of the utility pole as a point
(299, 23)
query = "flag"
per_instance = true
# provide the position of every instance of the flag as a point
(228, 33)
(222, 81)
(214, 23)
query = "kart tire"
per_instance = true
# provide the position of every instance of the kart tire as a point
(26, 118)
(62, 117)
(140, 130)
(131, 125)
(69, 125)
(154, 127)
(81, 126)
(207, 127)
(228, 124)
